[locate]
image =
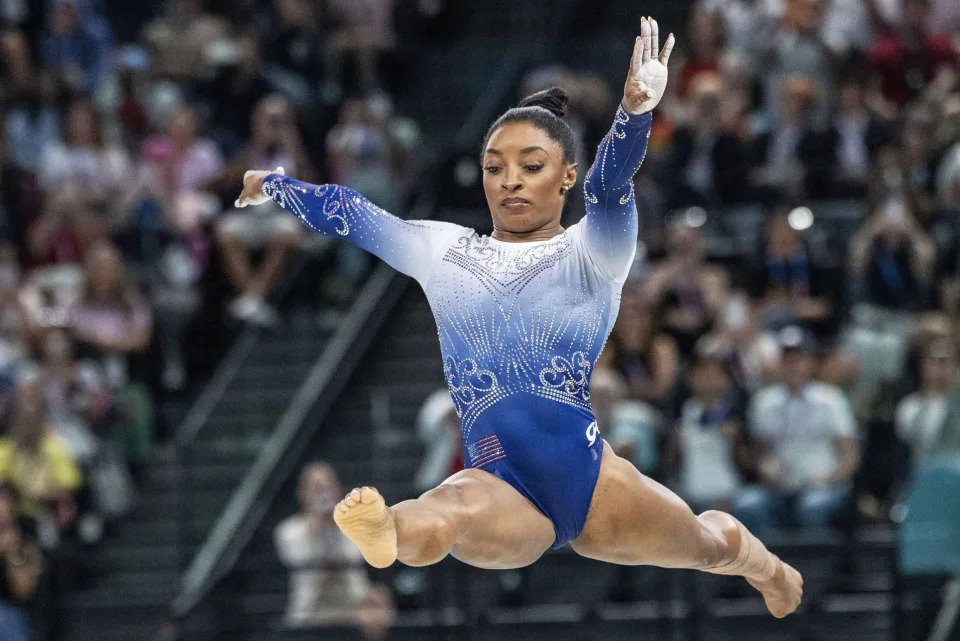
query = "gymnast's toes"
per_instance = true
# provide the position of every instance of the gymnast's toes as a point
(365, 519)
(783, 592)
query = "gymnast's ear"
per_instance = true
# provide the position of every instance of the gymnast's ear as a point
(570, 174)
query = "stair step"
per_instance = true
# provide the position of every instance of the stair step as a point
(164, 530)
(255, 400)
(158, 556)
(277, 352)
(276, 376)
(138, 581)
(196, 474)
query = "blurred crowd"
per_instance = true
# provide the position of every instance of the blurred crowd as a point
(125, 130)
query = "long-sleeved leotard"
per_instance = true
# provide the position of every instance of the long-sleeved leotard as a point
(520, 324)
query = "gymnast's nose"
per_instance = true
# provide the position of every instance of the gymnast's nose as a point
(511, 180)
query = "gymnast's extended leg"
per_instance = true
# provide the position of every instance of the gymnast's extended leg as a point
(473, 515)
(634, 520)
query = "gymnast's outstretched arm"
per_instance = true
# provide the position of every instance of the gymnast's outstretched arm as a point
(406, 245)
(612, 223)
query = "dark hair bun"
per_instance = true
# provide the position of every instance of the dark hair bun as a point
(553, 100)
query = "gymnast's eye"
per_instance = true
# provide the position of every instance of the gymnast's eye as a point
(533, 167)
(492, 169)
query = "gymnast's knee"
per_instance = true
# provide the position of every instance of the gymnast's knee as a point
(723, 538)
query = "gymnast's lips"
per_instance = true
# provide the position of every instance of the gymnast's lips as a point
(514, 203)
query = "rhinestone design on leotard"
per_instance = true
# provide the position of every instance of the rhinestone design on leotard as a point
(515, 320)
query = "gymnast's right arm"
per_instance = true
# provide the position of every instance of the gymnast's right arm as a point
(406, 245)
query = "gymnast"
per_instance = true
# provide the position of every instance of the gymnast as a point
(522, 316)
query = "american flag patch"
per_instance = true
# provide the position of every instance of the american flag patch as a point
(485, 451)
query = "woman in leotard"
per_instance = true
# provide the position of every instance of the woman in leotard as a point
(522, 316)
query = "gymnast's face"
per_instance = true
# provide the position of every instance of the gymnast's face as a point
(523, 179)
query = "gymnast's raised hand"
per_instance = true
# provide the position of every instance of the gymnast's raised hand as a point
(647, 79)
(522, 316)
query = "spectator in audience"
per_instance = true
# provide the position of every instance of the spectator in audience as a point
(892, 259)
(439, 430)
(709, 437)
(807, 444)
(641, 352)
(918, 155)
(689, 293)
(796, 49)
(65, 229)
(21, 563)
(364, 35)
(929, 419)
(84, 159)
(798, 153)
(113, 324)
(32, 122)
(237, 86)
(705, 39)
(294, 37)
(904, 61)
(745, 21)
(789, 282)
(328, 581)
(81, 410)
(710, 162)
(184, 161)
(754, 353)
(850, 26)
(76, 396)
(75, 52)
(181, 170)
(275, 142)
(38, 464)
(857, 137)
(180, 38)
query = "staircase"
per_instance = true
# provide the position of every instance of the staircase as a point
(138, 568)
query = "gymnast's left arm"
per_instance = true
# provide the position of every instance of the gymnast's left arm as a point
(611, 225)
(336, 210)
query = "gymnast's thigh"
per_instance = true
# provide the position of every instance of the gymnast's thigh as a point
(498, 528)
(633, 520)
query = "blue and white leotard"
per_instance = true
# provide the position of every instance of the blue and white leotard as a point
(520, 324)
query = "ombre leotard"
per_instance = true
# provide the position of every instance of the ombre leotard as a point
(520, 324)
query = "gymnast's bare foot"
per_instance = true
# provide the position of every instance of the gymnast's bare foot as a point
(783, 592)
(364, 518)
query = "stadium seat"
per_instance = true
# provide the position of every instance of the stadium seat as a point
(930, 534)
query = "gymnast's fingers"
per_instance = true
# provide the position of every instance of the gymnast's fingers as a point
(635, 58)
(645, 36)
(654, 39)
(667, 49)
